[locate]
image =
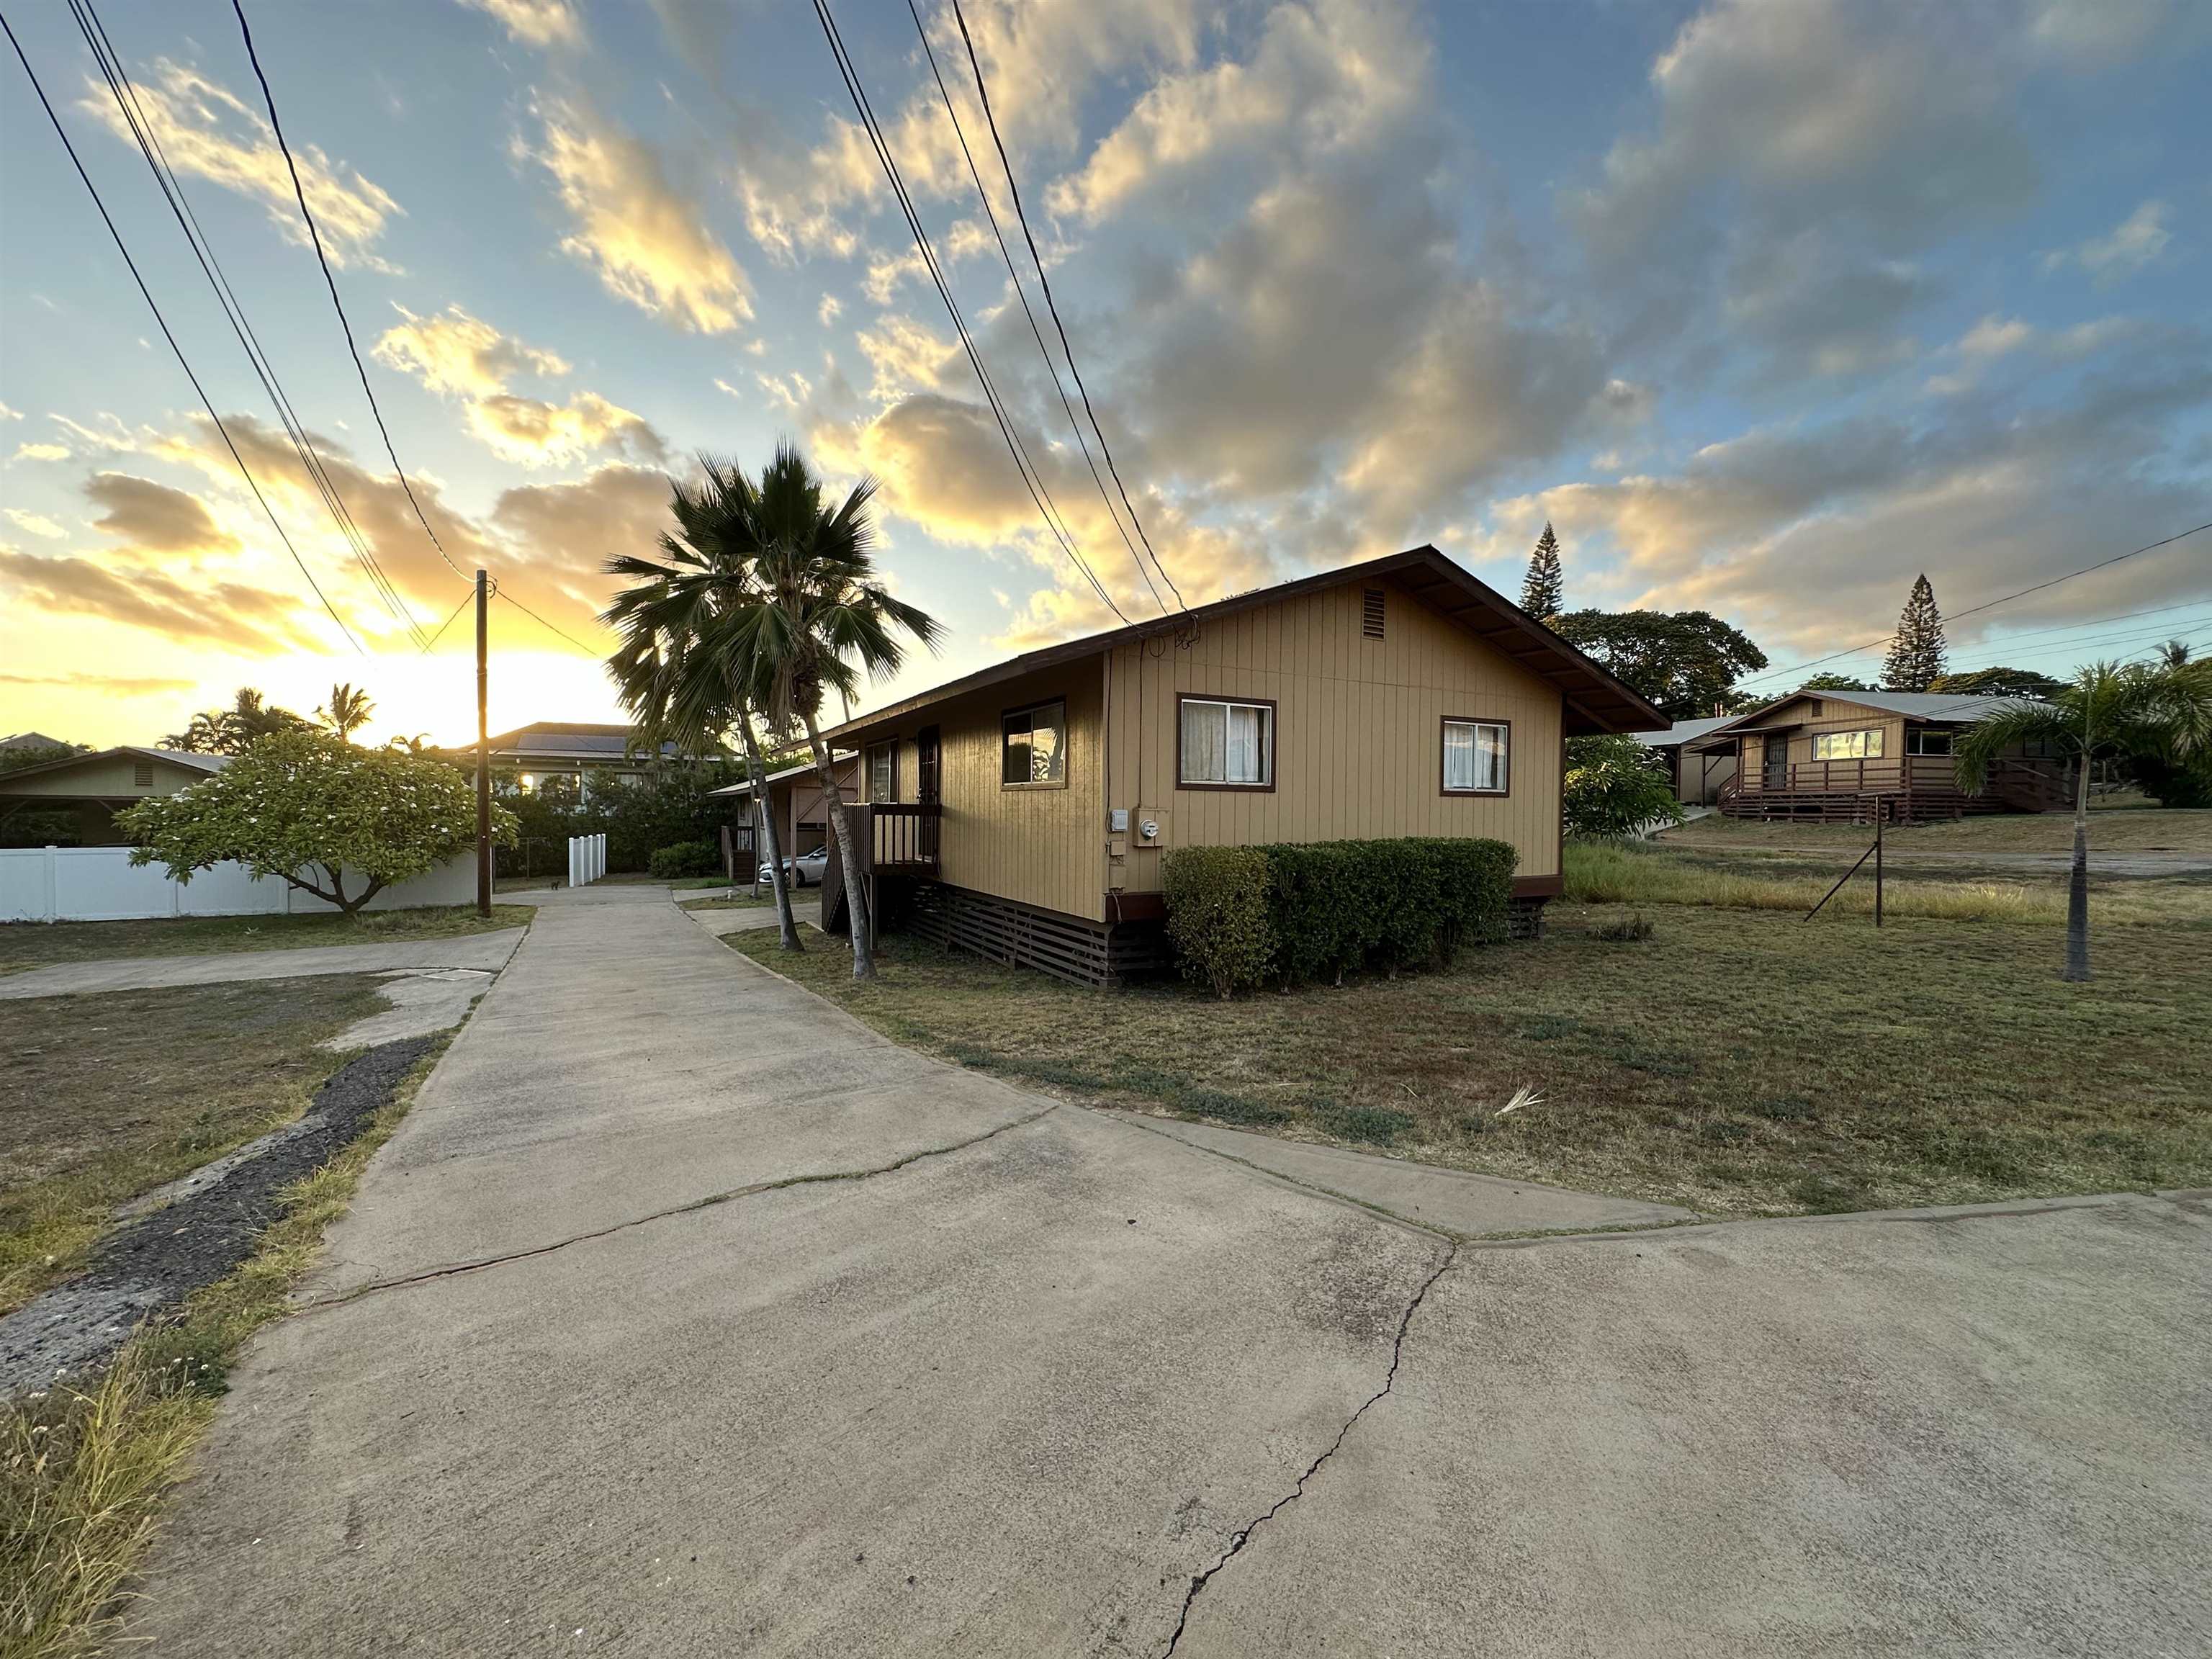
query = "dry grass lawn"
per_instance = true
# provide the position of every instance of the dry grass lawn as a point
(2112, 830)
(1742, 1062)
(32, 944)
(104, 1098)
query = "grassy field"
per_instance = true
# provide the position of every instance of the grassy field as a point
(1793, 877)
(105, 1098)
(2114, 829)
(84, 1472)
(31, 944)
(1742, 1062)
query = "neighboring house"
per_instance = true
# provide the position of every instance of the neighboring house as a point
(556, 749)
(33, 740)
(1028, 807)
(73, 802)
(1855, 756)
(1699, 774)
(796, 802)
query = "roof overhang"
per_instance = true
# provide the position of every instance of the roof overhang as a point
(1595, 700)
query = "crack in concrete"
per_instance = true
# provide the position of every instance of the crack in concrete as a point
(1238, 1540)
(711, 1201)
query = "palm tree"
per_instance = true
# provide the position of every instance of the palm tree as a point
(2110, 710)
(349, 708)
(231, 731)
(823, 618)
(668, 669)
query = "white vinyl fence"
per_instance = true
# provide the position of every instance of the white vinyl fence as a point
(588, 859)
(99, 883)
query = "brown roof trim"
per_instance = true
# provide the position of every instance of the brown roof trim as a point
(1596, 701)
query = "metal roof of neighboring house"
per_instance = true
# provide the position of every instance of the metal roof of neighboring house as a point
(197, 762)
(745, 786)
(1949, 707)
(1596, 701)
(31, 740)
(1683, 731)
(566, 740)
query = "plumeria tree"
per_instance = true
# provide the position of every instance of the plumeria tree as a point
(1615, 786)
(315, 811)
(2111, 710)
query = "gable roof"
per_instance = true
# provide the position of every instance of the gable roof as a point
(32, 740)
(1596, 701)
(186, 757)
(1684, 731)
(744, 786)
(1942, 707)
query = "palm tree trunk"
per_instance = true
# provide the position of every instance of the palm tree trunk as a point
(856, 884)
(764, 811)
(2077, 884)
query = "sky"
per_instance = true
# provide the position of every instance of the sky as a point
(1767, 305)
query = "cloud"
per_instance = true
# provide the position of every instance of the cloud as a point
(111, 684)
(2133, 243)
(540, 23)
(40, 452)
(154, 518)
(222, 613)
(827, 311)
(208, 132)
(462, 356)
(2008, 488)
(37, 523)
(646, 239)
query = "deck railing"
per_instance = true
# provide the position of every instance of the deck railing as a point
(903, 834)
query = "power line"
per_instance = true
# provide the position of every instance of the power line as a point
(499, 593)
(1039, 493)
(147, 295)
(142, 131)
(467, 599)
(1987, 604)
(1013, 277)
(1044, 282)
(330, 282)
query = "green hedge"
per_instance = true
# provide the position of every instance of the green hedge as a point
(685, 858)
(1299, 913)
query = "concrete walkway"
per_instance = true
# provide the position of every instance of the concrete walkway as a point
(685, 1317)
(485, 953)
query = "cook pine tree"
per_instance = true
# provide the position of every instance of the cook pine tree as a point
(1916, 650)
(1543, 590)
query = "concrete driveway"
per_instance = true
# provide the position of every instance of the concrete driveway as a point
(685, 1317)
(480, 952)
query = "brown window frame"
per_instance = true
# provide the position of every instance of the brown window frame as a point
(1274, 723)
(1875, 750)
(868, 772)
(1006, 714)
(1443, 726)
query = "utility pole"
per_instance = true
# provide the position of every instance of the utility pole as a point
(483, 754)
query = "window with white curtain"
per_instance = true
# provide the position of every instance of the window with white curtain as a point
(1847, 745)
(1475, 757)
(1228, 745)
(882, 771)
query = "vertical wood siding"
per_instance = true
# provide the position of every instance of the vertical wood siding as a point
(1822, 714)
(1358, 730)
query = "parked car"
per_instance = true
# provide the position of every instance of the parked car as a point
(805, 871)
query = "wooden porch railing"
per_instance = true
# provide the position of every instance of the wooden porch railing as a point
(894, 837)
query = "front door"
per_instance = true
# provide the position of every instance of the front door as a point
(926, 786)
(1776, 767)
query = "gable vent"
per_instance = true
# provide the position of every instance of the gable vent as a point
(1371, 617)
(141, 775)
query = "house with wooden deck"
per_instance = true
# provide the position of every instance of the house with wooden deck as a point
(1860, 757)
(1023, 812)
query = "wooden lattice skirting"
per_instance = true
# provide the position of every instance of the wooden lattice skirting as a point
(1066, 947)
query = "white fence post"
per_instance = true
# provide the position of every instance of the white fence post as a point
(53, 885)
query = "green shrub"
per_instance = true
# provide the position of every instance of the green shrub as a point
(685, 858)
(1217, 905)
(1310, 913)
